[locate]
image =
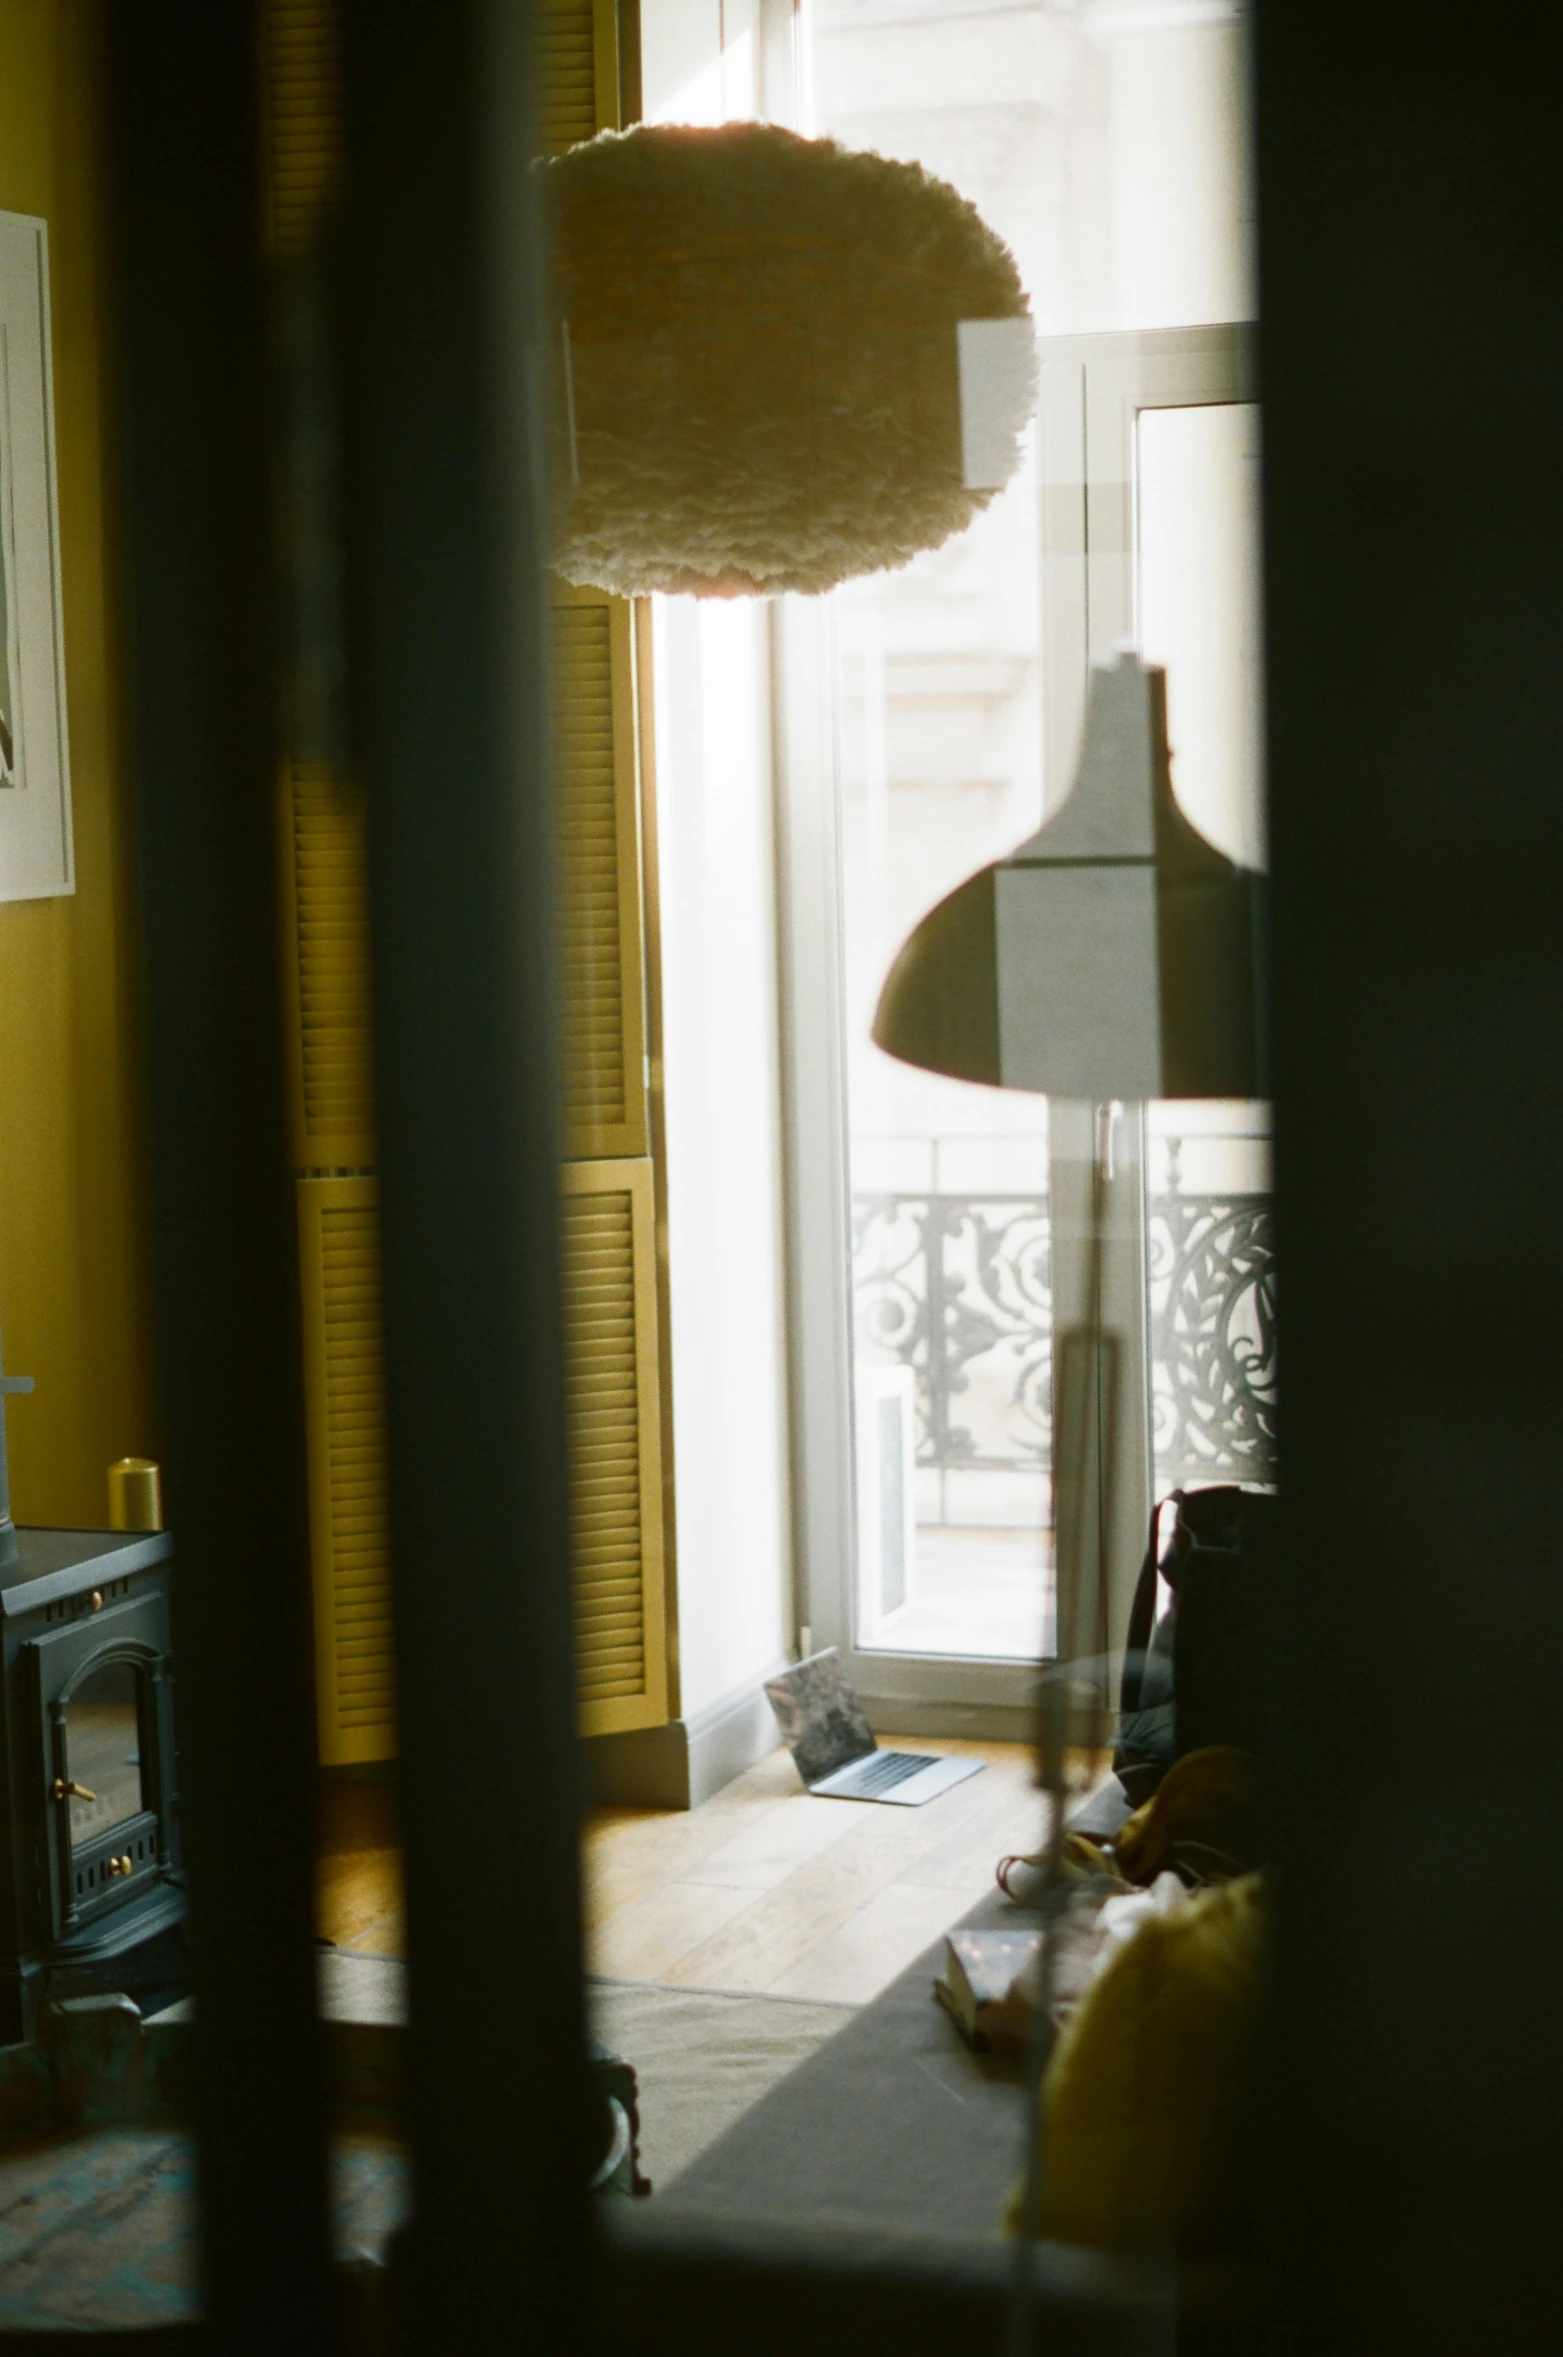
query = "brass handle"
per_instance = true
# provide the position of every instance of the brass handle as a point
(65, 1788)
(119, 1865)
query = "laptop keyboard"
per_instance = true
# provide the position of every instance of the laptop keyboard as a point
(882, 1769)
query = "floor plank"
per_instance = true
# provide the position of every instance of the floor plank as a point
(649, 1940)
(779, 1927)
(359, 1873)
(834, 1913)
(863, 1955)
(764, 1888)
(759, 1856)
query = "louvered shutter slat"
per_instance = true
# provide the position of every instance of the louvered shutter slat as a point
(301, 92)
(344, 1398)
(603, 1038)
(606, 1248)
(325, 859)
(577, 71)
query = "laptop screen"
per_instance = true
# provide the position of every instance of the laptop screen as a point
(822, 1722)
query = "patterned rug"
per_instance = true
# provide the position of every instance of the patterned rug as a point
(97, 2228)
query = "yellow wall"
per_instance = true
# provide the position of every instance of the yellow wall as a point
(74, 1290)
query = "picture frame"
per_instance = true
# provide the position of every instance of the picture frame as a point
(36, 849)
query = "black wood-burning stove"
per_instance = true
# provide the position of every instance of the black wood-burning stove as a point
(91, 1891)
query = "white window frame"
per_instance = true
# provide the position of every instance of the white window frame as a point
(1093, 389)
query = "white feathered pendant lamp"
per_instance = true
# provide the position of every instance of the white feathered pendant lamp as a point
(757, 352)
(1117, 954)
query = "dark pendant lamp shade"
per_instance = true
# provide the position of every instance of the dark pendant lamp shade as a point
(1114, 955)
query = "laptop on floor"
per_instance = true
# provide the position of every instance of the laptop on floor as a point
(826, 1729)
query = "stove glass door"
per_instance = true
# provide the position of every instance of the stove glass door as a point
(103, 1748)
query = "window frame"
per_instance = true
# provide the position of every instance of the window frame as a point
(1092, 390)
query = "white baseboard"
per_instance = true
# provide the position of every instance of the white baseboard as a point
(683, 1763)
(730, 1736)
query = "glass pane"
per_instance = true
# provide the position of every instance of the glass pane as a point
(939, 746)
(939, 764)
(953, 1334)
(1106, 143)
(939, 750)
(1212, 1295)
(103, 1750)
(1197, 595)
(1105, 147)
(1209, 1223)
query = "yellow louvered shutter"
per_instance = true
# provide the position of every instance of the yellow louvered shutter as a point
(577, 95)
(610, 1324)
(611, 1314)
(610, 1340)
(326, 970)
(577, 72)
(344, 1396)
(301, 96)
(602, 996)
(602, 1000)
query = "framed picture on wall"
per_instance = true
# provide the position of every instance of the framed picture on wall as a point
(35, 798)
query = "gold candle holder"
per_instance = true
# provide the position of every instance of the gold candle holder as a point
(136, 1494)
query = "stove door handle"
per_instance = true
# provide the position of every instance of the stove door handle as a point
(66, 1788)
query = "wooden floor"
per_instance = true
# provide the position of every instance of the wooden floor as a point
(762, 1888)
(359, 1886)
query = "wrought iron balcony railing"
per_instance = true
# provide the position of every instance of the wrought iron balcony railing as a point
(959, 1288)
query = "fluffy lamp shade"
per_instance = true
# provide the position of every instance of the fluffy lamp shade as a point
(757, 344)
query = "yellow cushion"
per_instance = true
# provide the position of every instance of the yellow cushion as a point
(1145, 2100)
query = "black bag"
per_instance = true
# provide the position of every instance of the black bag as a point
(1193, 1676)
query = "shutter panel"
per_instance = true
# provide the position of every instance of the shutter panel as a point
(610, 1321)
(576, 94)
(325, 903)
(577, 72)
(610, 1297)
(344, 1397)
(610, 1341)
(301, 95)
(602, 998)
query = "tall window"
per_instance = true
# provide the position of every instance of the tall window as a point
(1105, 140)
